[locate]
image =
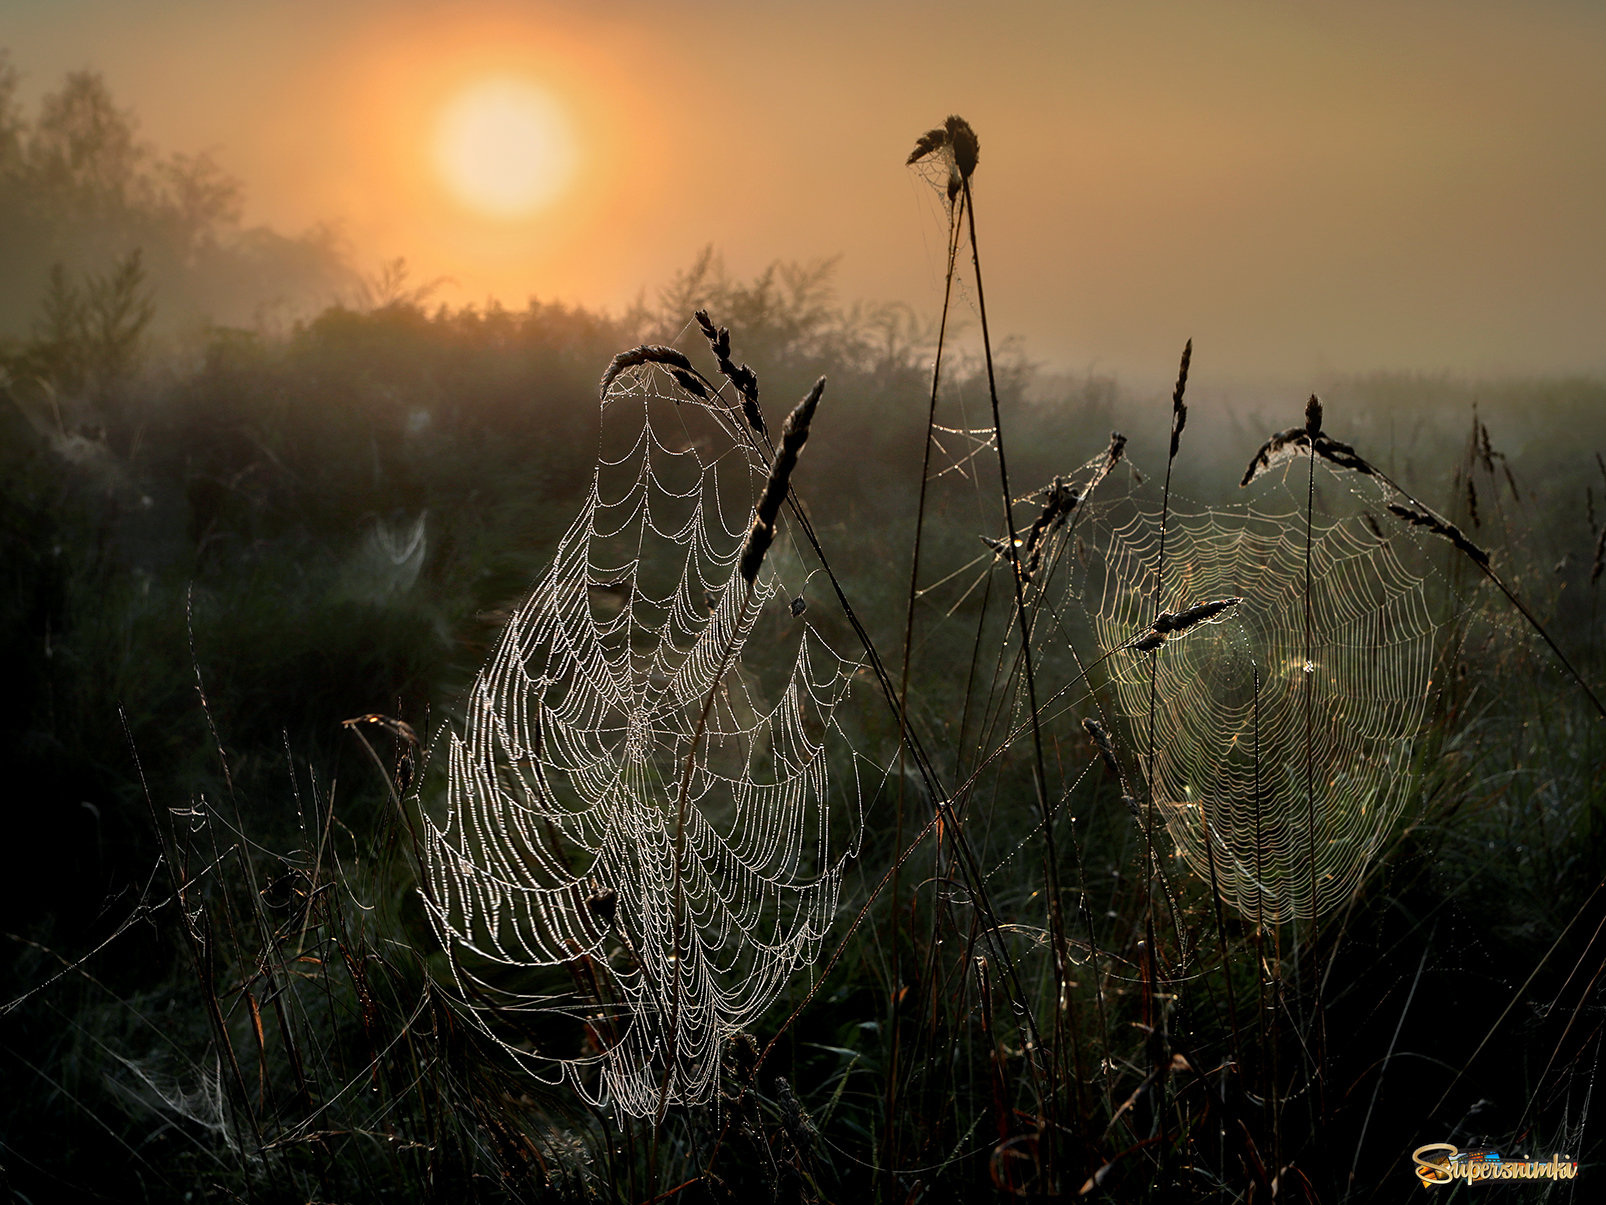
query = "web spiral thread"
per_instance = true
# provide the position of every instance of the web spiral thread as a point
(1280, 751)
(674, 914)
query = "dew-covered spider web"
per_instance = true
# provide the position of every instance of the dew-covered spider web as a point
(650, 802)
(1282, 726)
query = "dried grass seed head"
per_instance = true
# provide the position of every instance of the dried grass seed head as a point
(689, 382)
(1175, 623)
(1101, 739)
(1169, 624)
(1341, 454)
(647, 353)
(753, 550)
(964, 150)
(1060, 499)
(1505, 468)
(1310, 438)
(1179, 410)
(1439, 527)
(1148, 642)
(928, 143)
(1278, 448)
(963, 142)
(740, 375)
(794, 434)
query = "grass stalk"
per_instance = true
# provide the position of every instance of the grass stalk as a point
(1039, 782)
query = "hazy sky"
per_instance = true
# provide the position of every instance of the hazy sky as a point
(1299, 187)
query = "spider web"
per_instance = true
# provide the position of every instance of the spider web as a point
(639, 796)
(1281, 734)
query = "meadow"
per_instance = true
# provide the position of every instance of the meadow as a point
(248, 590)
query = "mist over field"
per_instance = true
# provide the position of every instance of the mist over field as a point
(1300, 190)
(1140, 734)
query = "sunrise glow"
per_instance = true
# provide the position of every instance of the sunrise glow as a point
(504, 148)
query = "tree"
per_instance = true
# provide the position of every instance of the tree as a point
(83, 148)
(87, 335)
(118, 308)
(202, 199)
(11, 121)
(56, 353)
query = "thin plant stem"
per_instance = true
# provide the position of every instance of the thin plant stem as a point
(1039, 782)
(889, 1140)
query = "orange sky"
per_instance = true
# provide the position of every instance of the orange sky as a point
(1298, 187)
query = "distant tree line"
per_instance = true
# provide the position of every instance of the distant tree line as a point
(81, 195)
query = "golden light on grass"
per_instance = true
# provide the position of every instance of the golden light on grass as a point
(504, 147)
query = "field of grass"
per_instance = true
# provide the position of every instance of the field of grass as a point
(219, 978)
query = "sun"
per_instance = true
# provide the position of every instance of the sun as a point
(504, 148)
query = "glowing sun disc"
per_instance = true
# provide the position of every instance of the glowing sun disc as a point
(503, 147)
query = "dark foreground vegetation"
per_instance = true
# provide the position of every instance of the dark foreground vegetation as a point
(217, 981)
